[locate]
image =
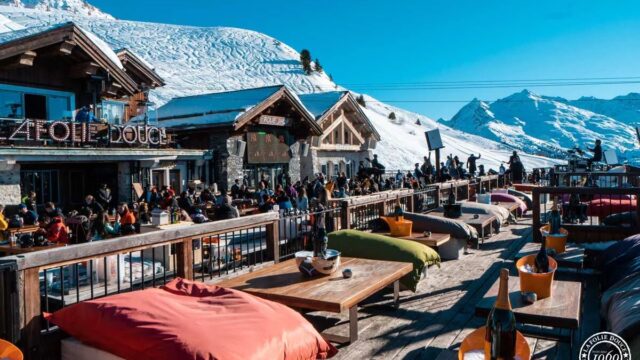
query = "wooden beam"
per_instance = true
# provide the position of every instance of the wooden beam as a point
(66, 47)
(23, 60)
(83, 70)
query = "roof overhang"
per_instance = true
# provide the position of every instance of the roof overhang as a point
(281, 94)
(348, 98)
(73, 35)
(134, 64)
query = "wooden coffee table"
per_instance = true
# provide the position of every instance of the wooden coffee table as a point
(481, 223)
(434, 241)
(560, 310)
(283, 283)
(573, 257)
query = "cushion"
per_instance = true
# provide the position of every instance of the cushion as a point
(605, 207)
(618, 272)
(499, 212)
(191, 320)
(528, 200)
(623, 316)
(629, 283)
(627, 218)
(354, 243)
(522, 207)
(620, 252)
(437, 224)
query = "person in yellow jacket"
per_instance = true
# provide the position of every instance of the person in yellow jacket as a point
(4, 225)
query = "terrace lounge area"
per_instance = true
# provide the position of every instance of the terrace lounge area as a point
(428, 323)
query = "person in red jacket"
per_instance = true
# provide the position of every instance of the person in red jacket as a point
(57, 231)
(126, 218)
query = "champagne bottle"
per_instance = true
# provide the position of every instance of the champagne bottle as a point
(500, 338)
(542, 260)
(452, 196)
(555, 221)
(398, 212)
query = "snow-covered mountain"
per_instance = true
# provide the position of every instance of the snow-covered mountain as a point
(195, 60)
(548, 125)
(625, 108)
(74, 6)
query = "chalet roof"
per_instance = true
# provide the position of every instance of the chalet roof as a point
(13, 43)
(132, 62)
(8, 25)
(321, 105)
(225, 108)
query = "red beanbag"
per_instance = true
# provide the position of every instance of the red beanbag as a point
(604, 207)
(191, 320)
(502, 197)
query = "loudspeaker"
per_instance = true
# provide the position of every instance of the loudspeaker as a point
(240, 147)
(304, 149)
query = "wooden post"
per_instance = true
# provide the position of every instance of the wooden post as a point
(345, 215)
(31, 316)
(184, 258)
(438, 165)
(537, 236)
(410, 203)
(273, 241)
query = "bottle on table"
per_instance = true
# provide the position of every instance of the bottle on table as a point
(555, 221)
(398, 212)
(542, 259)
(500, 338)
(452, 196)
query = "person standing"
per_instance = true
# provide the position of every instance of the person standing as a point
(597, 153)
(235, 189)
(471, 164)
(104, 197)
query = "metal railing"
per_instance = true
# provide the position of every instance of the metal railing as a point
(296, 229)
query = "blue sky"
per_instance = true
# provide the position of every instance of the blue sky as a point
(411, 41)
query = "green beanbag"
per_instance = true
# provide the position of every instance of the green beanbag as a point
(354, 243)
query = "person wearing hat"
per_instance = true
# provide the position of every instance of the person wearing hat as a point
(198, 217)
(29, 217)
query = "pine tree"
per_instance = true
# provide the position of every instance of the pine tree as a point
(418, 122)
(305, 59)
(392, 116)
(361, 101)
(330, 77)
(318, 67)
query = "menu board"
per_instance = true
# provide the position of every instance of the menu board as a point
(267, 148)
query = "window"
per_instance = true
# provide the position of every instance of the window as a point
(11, 105)
(35, 106)
(43, 182)
(19, 102)
(112, 111)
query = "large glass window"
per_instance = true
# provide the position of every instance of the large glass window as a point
(112, 112)
(43, 182)
(17, 102)
(11, 105)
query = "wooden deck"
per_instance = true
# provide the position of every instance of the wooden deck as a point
(431, 323)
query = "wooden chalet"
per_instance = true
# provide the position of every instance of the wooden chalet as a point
(66, 99)
(252, 133)
(348, 137)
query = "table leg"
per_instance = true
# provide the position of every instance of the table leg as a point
(353, 323)
(396, 293)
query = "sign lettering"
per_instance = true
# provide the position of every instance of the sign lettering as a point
(85, 133)
(273, 120)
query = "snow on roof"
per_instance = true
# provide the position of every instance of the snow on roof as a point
(7, 25)
(319, 103)
(212, 109)
(138, 57)
(13, 35)
(106, 49)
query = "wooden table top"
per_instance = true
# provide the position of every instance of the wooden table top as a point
(13, 250)
(482, 220)
(573, 257)
(435, 240)
(284, 283)
(23, 230)
(561, 309)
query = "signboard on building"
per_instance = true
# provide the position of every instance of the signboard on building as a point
(82, 133)
(267, 148)
(273, 120)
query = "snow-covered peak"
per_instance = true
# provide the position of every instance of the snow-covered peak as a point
(625, 108)
(73, 6)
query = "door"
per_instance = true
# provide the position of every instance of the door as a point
(158, 178)
(175, 181)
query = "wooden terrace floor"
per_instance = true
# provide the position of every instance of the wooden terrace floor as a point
(431, 323)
